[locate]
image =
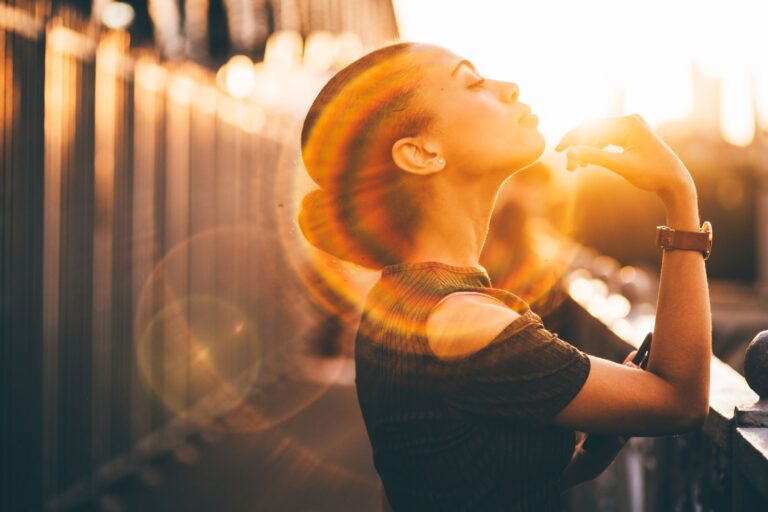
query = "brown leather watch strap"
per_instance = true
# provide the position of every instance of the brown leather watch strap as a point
(701, 241)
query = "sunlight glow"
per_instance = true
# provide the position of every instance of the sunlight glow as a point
(761, 97)
(737, 118)
(575, 61)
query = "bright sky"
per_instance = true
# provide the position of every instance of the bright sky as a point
(577, 60)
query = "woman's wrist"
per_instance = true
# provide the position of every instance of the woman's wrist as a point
(681, 205)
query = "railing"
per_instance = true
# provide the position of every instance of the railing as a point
(722, 467)
(155, 207)
(146, 213)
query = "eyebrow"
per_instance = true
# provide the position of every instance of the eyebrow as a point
(461, 62)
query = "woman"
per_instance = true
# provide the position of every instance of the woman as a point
(469, 401)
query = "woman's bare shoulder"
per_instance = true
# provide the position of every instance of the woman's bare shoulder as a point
(464, 323)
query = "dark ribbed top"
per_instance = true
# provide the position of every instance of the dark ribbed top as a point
(470, 433)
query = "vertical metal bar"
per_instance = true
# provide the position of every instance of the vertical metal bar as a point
(160, 414)
(175, 264)
(148, 86)
(5, 326)
(21, 223)
(123, 359)
(51, 267)
(71, 141)
(203, 234)
(107, 107)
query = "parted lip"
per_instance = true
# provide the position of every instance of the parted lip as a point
(526, 113)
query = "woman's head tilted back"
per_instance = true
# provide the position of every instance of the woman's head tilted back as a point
(384, 129)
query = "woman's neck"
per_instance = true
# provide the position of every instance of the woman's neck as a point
(454, 223)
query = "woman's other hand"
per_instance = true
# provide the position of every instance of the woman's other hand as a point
(646, 162)
(587, 464)
(628, 360)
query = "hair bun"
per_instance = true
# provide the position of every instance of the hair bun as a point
(321, 224)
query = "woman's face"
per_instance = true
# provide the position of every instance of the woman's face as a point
(479, 124)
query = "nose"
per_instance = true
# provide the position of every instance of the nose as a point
(510, 92)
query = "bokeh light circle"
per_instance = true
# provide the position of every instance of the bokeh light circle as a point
(221, 330)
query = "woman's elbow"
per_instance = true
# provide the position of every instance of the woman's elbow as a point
(693, 416)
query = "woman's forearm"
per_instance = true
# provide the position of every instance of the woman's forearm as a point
(682, 336)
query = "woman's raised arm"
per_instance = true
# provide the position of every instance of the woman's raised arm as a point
(673, 395)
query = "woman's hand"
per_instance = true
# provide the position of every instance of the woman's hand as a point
(646, 162)
(629, 358)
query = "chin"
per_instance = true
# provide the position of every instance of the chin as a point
(530, 154)
(540, 147)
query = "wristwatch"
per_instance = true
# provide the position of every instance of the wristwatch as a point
(668, 238)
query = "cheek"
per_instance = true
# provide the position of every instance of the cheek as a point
(487, 135)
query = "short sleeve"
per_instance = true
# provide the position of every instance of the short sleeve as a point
(527, 374)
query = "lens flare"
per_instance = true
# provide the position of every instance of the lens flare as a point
(195, 347)
(221, 335)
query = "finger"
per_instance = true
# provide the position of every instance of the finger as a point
(573, 163)
(587, 155)
(599, 133)
(630, 356)
(631, 364)
(570, 164)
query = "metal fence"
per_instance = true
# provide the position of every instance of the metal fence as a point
(145, 231)
(146, 290)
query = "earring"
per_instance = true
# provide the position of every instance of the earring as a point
(441, 162)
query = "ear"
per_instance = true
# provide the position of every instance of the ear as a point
(414, 155)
